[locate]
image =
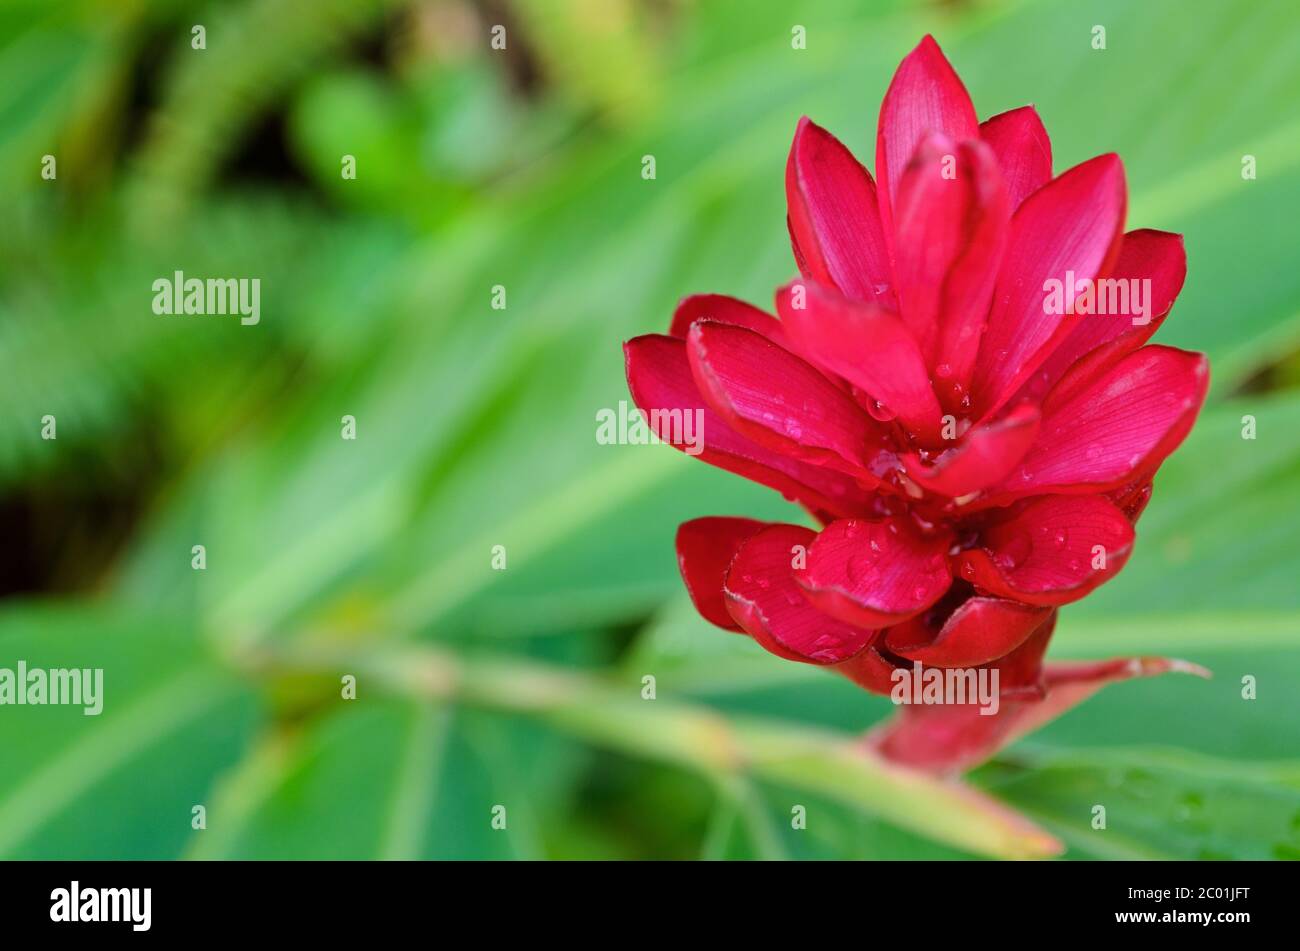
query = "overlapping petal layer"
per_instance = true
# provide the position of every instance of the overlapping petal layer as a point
(659, 378)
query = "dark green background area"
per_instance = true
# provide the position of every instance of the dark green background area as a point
(476, 427)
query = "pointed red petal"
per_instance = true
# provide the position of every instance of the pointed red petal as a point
(1100, 432)
(1153, 262)
(950, 225)
(1023, 149)
(979, 631)
(968, 287)
(725, 310)
(833, 218)
(705, 549)
(1067, 232)
(659, 378)
(1050, 550)
(868, 346)
(985, 455)
(947, 739)
(764, 600)
(874, 574)
(778, 400)
(926, 95)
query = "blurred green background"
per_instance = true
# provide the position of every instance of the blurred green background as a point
(522, 687)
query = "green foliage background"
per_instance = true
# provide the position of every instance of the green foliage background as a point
(521, 688)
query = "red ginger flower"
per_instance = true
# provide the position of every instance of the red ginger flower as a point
(976, 455)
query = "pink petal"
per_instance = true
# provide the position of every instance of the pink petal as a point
(873, 574)
(953, 738)
(725, 310)
(1144, 255)
(1109, 429)
(705, 549)
(950, 223)
(978, 632)
(659, 378)
(1023, 149)
(833, 219)
(1050, 550)
(778, 400)
(925, 96)
(985, 455)
(868, 346)
(1070, 229)
(764, 600)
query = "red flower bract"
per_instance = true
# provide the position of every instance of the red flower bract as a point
(958, 388)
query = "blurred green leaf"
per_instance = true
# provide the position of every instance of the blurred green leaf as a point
(121, 784)
(1160, 804)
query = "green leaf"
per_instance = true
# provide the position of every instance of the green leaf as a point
(1159, 803)
(122, 784)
